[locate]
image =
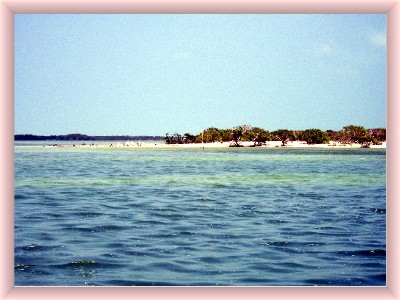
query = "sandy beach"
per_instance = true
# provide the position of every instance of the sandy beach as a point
(271, 144)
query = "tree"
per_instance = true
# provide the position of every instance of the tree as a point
(260, 136)
(176, 138)
(168, 139)
(75, 137)
(225, 135)
(357, 134)
(236, 137)
(333, 135)
(212, 135)
(188, 138)
(252, 134)
(241, 133)
(313, 136)
(283, 135)
(379, 135)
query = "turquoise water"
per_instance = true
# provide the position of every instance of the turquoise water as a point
(253, 216)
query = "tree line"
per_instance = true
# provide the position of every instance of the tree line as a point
(83, 137)
(348, 135)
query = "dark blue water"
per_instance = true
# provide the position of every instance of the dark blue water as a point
(260, 217)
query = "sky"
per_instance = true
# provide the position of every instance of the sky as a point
(158, 74)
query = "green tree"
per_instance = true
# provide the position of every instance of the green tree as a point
(236, 137)
(176, 138)
(357, 134)
(259, 136)
(225, 135)
(313, 136)
(212, 135)
(241, 133)
(188, 138)
(333, 135)
(168, 139)
(283, 135)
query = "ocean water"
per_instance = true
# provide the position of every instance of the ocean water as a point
(194, 217)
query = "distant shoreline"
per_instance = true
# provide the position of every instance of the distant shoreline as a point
(271, 144)
(83, 137)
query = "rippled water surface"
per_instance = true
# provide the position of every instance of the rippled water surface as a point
(99, 216)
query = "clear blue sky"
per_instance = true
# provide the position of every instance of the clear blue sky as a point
(153, 74)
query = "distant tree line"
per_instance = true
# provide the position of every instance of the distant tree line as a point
(348, 135)
(83, 137)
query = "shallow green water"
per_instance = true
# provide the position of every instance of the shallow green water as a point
(99, 216)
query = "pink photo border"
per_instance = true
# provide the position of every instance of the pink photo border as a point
(8, 8)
